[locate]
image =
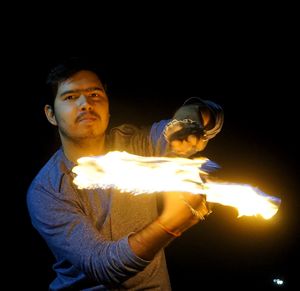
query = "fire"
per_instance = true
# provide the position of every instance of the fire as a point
(136, 174)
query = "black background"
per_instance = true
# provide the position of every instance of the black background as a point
(256, 146)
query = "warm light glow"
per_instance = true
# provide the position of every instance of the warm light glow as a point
(245, 198)
(138, 175)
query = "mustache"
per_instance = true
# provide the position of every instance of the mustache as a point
(85, 114)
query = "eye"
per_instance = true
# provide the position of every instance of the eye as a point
(97, 95)
(94, 94)
(70, 97)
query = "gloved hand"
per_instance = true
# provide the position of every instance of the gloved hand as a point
(192, 126)
(185, 137)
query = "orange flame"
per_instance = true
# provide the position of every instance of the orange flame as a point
(136, 174)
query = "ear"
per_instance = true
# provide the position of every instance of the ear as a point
(50, 114)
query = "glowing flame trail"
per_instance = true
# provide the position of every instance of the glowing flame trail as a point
(138, 175)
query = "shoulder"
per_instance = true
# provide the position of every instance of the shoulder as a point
(121, 135)
(124, 129)
(49, 177)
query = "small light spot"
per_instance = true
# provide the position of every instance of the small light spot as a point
(278, 281)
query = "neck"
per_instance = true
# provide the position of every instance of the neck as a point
(83, 148)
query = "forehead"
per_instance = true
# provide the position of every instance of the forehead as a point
(81, 80)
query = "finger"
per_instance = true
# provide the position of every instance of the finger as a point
(174, 133)
(201, 144)
(181, 147)
(192, 139)
(205, 209)
(176, 144)
(197, 205)
(195, 200)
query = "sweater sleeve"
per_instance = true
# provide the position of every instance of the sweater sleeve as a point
(74, 239)
(144, 141)
(153, 141)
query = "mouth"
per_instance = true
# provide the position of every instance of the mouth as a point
(87, 118)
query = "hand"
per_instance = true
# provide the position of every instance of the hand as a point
(185, 137)
(182, 210)
(189, 146)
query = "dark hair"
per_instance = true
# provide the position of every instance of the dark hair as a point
(66, 68)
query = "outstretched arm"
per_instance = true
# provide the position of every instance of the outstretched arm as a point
(185, 134)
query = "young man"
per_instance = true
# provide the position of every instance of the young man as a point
(106, 240)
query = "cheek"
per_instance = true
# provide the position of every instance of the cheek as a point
(104, 112)
(64, 114)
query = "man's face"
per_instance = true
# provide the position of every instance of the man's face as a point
(81, 107)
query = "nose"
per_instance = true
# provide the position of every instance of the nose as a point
(84, 103)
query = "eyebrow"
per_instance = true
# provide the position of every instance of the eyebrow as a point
(79, 90)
